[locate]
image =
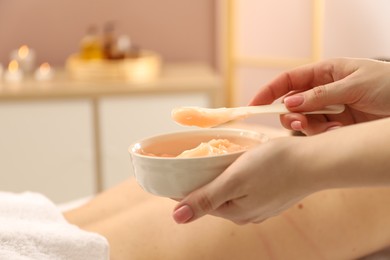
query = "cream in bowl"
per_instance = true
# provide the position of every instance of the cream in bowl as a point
(174, 164)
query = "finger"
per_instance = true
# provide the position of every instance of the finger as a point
(232, 211)
(299, 79)
(293, 121)
(309, 124)
(315, 125)
(204, 200)
(320, 96)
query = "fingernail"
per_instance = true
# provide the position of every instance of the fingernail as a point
(296, 125)
(183, 214)
(294, 101)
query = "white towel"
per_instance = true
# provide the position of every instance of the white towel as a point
(32, 227)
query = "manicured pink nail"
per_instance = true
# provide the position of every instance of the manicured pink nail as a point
(296, 125)
(294, 101)
(183, 214)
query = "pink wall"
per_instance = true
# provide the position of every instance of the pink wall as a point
(180, 30)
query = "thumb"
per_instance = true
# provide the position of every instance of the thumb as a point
(199, 203)
(317, 97)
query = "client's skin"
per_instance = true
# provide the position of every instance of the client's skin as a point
(332, 224)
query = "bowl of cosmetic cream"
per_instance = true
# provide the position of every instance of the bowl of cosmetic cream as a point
(174, 164)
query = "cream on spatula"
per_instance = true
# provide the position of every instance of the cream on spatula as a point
(209, 117)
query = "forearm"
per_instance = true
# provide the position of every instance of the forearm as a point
(354, 156)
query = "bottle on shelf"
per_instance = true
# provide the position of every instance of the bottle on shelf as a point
(110, 43)
(91, 47)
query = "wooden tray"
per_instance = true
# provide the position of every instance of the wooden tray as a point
(146, 67)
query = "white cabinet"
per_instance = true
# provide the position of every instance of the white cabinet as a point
(46, 146)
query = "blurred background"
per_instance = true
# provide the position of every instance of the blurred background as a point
(99, 75)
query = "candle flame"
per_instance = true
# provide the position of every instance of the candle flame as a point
(13, 66)
(23, 51)
(45, 67)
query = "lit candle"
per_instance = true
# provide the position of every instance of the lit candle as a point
(25, 57)
(44, 72)
(13, 73)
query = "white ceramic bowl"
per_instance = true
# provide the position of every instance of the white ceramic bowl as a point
(176, 177)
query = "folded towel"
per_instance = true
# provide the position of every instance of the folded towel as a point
(32, 227)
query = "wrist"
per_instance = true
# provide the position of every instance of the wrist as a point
(349, 157)
(308, 162)
(295, 154)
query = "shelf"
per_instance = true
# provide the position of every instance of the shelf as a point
(182, 77)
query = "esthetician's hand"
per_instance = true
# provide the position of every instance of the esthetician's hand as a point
(363, 85)
(259, 184)
(272, 177)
